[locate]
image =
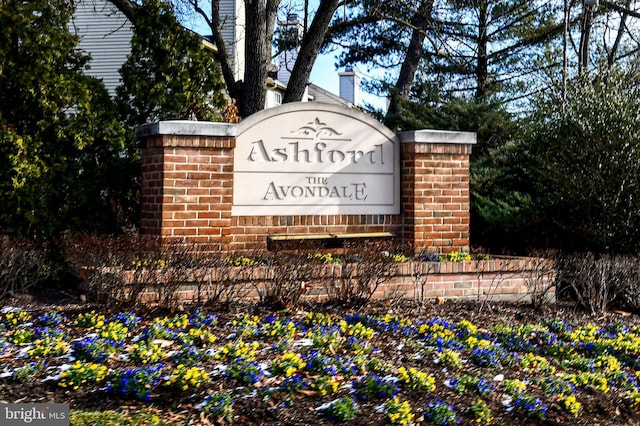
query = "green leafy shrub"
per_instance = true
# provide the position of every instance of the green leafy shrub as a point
(569, 177)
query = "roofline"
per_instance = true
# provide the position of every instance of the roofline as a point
(208, 45)
(272, 83)
(331, 95)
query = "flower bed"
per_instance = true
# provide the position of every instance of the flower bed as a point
(322, 368)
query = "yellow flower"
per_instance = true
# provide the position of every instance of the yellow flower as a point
(572, 405)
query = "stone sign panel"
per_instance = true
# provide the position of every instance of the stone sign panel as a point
(314, 159)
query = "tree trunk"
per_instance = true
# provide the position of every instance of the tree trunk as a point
(585, 36)
(259, 26)
(311, 44)
(482, 66)
(565, 51)
(611, 57)
(255, 71)
(412, 58)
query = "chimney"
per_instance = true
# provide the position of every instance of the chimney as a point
(350, 86)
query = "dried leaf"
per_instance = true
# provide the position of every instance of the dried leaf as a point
(162, 342)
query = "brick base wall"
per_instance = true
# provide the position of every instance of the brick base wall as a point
(250, 233)
(509, 279)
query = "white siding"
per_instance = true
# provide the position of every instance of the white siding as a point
(232, 16)
(105, 33)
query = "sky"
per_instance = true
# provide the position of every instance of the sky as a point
(325, 75)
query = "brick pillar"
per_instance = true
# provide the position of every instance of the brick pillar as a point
(152, 185)
(187, 181)
(435, 189)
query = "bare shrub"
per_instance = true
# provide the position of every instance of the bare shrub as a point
(506, 270)
(230, 278)
(631, 291)
(420, 271)
(124, 271)
(625, 276)
(23, 265)
(540, 277)
(184, 267)
(368, 264)
(116, 269)
(293, 273)
(212, 288)
(537, 271)
(598, 282)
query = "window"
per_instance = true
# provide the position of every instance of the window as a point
(277, 98)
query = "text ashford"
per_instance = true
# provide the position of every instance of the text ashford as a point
(318, 153)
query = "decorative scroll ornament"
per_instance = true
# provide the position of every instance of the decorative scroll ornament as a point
(317, 130)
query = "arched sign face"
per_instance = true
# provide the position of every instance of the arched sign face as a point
(315, 159)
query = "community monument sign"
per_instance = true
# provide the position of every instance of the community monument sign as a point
(310, 159)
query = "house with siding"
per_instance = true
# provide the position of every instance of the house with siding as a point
(105, 33)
